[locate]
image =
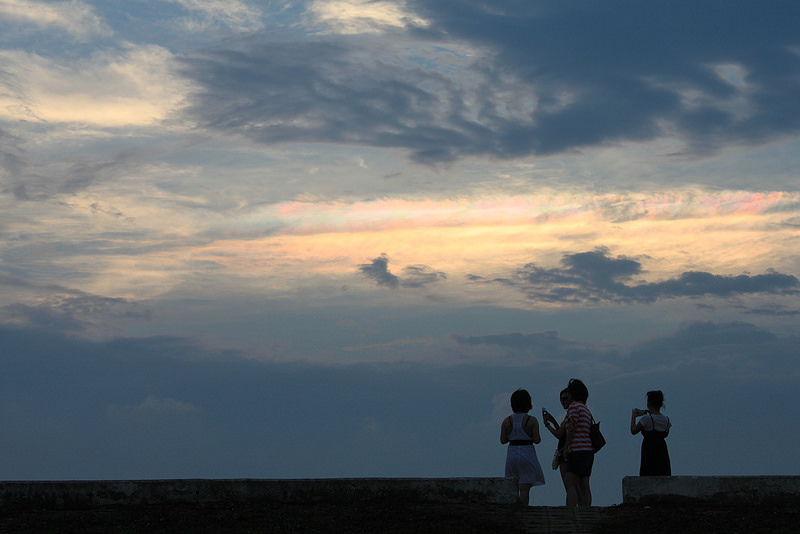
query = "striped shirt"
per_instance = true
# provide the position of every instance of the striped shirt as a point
(581, 417)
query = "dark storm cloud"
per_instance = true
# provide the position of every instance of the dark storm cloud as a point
(414, 276)
(595, 276)
(582, 74)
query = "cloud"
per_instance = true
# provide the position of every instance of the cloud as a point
(75, 18)
(736, 348)
(420, 276)
(363, 16)
(547, 351)
(529, 79)
(71, 113)
(33, 180)
(235, 14)
(774, 311)
(595, 276)
(547, 348)
(321, 91)
(11, 154)
(135, 88)
(152, 407)
(618, 71)
(546, 341)
(701, 336)
(64, 310)
(378, 270)
(414, 276)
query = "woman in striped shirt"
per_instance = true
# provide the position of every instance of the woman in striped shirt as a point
(579, 446)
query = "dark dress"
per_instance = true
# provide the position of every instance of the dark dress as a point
(655, 456)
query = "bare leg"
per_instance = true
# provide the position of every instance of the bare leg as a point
(584, 492)
(571, 484)
(524, 494)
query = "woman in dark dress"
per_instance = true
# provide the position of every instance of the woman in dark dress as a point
(654, 427)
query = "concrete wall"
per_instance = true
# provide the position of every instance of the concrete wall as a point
(83, 494)
(712, 489)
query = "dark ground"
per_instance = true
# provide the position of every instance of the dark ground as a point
(783, 517)
(395, 517)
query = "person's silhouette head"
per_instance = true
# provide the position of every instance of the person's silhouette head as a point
(577, 391)
(655, 399)
(564, 398)
(521, 401)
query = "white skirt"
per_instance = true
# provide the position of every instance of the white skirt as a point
(522, 463)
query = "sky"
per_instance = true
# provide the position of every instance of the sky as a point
(329, 238)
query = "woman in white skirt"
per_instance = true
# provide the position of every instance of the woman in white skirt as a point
(521, 432)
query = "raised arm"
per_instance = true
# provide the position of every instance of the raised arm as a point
(635, 427)
(553, 429)
(550, 423)
(559, 431)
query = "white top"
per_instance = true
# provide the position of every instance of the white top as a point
(517, 432)
(659, 421)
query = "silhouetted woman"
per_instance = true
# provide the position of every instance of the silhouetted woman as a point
(550, 422)
(521, 432)
(579, 452)
(655, 428)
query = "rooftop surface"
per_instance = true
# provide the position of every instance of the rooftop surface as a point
(404, 517)
(391, 505)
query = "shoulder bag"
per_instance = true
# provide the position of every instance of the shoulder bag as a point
(598, 441)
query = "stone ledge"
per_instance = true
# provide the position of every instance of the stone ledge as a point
(711, 489)
(88, 494)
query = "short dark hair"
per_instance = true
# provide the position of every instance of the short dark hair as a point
(521, 401)
(655, 398)
(577, 390)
